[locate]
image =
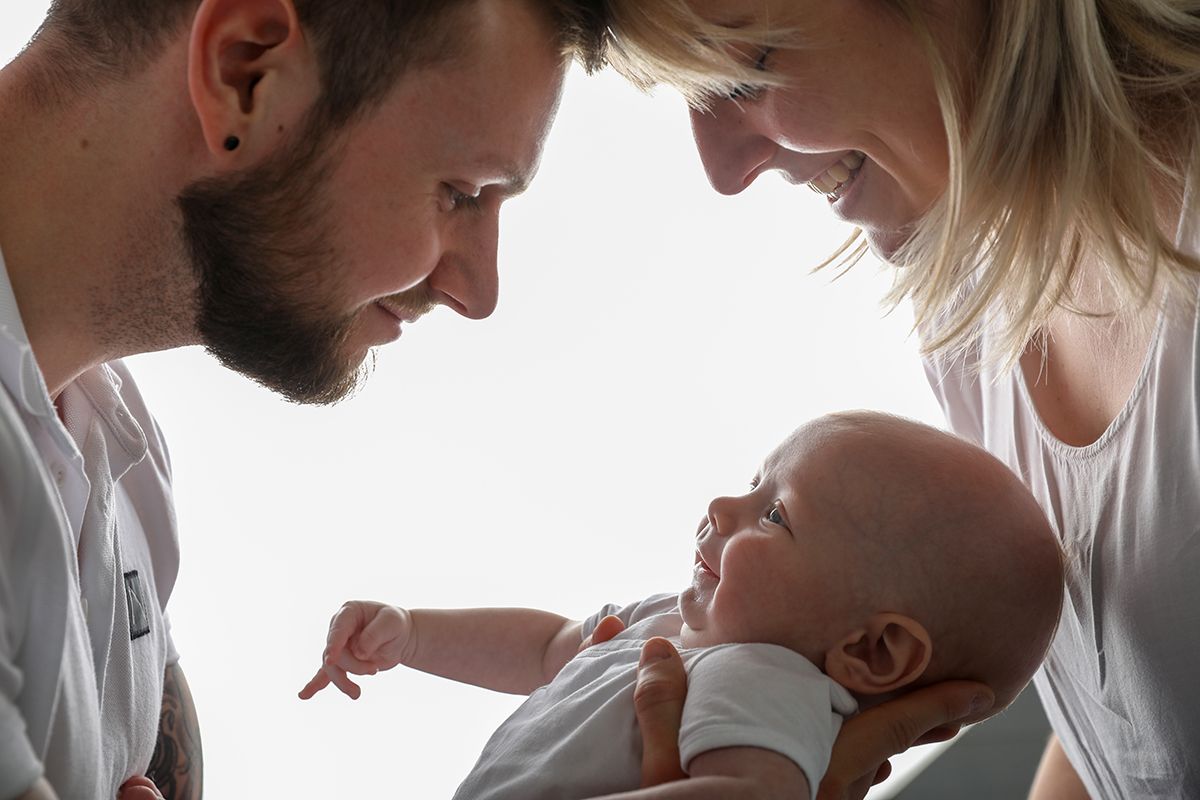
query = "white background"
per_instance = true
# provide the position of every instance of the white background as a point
(653, 342)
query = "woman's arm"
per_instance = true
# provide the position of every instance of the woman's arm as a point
(1056, 779)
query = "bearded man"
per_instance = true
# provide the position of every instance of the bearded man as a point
(288, 183)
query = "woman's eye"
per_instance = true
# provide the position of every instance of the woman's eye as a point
(745, 93)
(748, 92)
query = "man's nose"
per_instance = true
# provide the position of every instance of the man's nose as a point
(467, 278)
(733, 153)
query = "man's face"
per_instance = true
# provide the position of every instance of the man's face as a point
(774, 565)
(308, 261)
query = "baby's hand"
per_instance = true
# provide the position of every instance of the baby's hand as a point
(364, 638)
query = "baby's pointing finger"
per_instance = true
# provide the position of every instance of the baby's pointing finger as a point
(342, 681)
(318, 682)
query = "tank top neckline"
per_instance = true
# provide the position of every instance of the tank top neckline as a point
(1118, 423)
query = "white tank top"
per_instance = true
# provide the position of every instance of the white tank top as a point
(1120, 682)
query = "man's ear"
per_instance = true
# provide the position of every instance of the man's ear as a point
(889, 652)
(251, 74)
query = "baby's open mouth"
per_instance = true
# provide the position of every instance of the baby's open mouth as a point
(705, 567)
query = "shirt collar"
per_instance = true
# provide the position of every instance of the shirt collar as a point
(101, 386)
(19, 371)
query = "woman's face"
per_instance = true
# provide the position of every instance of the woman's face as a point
(858, 120)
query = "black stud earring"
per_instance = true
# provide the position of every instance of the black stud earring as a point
(232, 143)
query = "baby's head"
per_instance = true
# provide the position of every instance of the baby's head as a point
(890, 554)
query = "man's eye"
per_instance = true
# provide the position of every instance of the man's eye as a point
(461, 201)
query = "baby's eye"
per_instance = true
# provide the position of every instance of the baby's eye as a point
(775, 516)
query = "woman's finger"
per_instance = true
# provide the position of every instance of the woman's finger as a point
(867, 741)
(658, 701)
(139, 788)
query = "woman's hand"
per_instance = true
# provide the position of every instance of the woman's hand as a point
(658, 701)
(865, 742)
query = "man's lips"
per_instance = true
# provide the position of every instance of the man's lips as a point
(405, 315)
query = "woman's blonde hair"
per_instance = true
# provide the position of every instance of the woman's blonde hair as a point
(1079, 127)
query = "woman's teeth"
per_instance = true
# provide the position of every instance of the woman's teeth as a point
(833, 181)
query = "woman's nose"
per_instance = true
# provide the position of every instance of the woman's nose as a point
(733, 153)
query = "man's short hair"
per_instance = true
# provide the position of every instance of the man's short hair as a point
(363, 46)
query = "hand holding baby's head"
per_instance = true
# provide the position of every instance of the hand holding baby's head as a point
(890, 554)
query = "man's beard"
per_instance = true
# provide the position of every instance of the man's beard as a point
(260, 243)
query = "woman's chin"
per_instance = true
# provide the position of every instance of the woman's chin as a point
(886, 243)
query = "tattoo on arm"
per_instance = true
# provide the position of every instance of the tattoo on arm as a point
(177, 766)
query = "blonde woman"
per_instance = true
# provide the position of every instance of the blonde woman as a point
(1028, 166)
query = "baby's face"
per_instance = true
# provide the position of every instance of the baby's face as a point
(774, 565)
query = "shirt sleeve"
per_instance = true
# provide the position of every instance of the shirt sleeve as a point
(765, 696)
(19, 764)
(634, 612)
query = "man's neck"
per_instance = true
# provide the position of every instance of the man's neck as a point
(87, 225)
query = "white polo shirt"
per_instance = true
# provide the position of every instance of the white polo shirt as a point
(88, 557)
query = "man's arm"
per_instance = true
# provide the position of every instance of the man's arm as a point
(177, 766)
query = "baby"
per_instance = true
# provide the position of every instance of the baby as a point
(871, 555)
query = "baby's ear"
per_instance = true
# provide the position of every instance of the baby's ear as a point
(889, 652)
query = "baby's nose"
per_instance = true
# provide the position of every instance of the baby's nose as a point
(720, 515)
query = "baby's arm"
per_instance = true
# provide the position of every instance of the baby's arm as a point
(512, 650)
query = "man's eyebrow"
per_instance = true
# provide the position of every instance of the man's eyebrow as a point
(510, 179)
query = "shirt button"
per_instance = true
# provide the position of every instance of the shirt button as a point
(60, 474)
